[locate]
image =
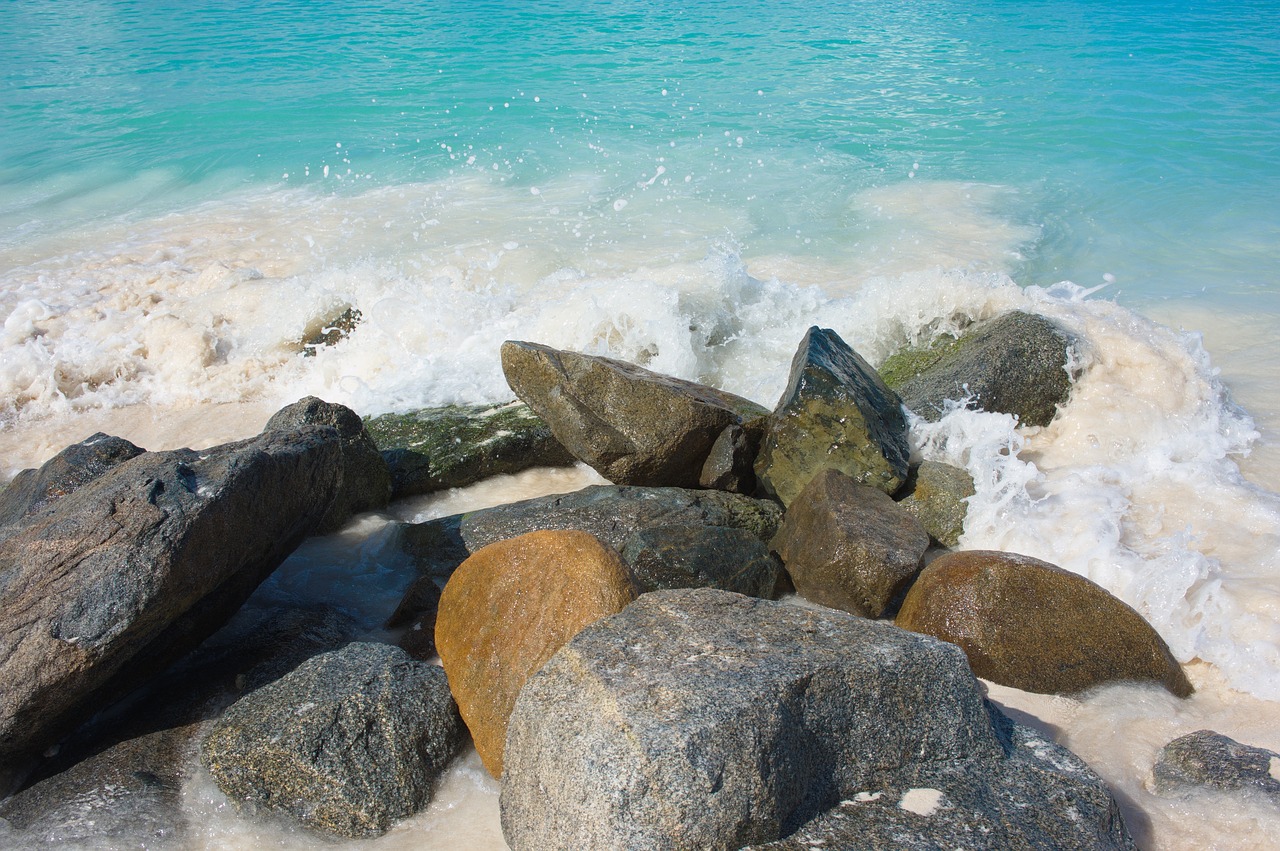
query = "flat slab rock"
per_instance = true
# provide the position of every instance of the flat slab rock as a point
(702, 719)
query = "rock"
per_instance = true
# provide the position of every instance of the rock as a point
(125, 574)
(417, 612)
(935, 494)
(365, 483)
(982, 805)
(701, 719)
(118, 781)
(836, 413)
(730, 465)
(329, 330)
(347, 743)
(455, 446)
(667, 557)
(634, 426)
(77, 465)
(849, 546)
(1032, 625)
(508, 608)
(1015, 364)
(1208, 759)
(610, 512)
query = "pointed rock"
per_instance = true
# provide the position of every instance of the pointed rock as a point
(836, 413)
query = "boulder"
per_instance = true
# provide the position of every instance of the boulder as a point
(77, 465)
(634, 426)
(347, 743)
(836, 413)
(1018, 363)
(667, 557)
(701, 719)
(730, 465)
(118, 781)
(508, 608)
(1032, 625)
(935, 494)
(455, 446)
(849, 546)
(365, 482)
(1205, 759)
(976, 805)
(121, 577)
(417, 613)
(610, 512)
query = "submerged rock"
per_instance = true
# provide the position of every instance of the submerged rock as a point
(634, 426)
(1205, 759)
(347, 743)
(1016, 364)
(667, 557)
(1032, 625)
(459, 445)
(707, 720)
(836, 413)
(508, 608)
(73, 467)
(849, 546)
(935, 494)
(128, 572)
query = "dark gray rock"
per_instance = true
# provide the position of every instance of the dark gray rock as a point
(1041, 796)
(127, 573)
(849, 546)
(610, 512)
(836, 413)
(1208, 759)
(77, 465)
(347, 743)
(455, 446)
(365, 481)
(668, 557)
(935, 494)
(118, 782)
(634, 426)
(1015, 364)
(708, 720)
(730, 465)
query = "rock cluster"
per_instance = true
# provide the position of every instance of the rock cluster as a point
(614, 653)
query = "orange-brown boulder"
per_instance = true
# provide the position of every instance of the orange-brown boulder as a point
(1032, 625)
(508, 608)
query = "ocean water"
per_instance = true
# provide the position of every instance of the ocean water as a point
(187, 190)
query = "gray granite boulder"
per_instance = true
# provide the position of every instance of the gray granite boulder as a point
(109, 584)
(1032, 625)
(1205, 759)
(849, 546)
(730, 465)
(1040, 796)
(634, 426)
(347, 743)
(365, 482)
(935, 494)
(77, 465)
(836, 413)
(1016, 364)
(667, 557)
(702, 719)
(458, 445)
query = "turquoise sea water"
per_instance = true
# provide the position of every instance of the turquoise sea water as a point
(189, 188)
(1138, 139)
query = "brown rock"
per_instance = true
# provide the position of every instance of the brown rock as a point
(849, 546)
(1032, 625)
(634, 426)
(508, 608)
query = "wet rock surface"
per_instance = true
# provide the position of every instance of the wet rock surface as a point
(73, 467)
(935, 495)
(1205, 759)
(836, 413)
(1032, 625)
(668, 557)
